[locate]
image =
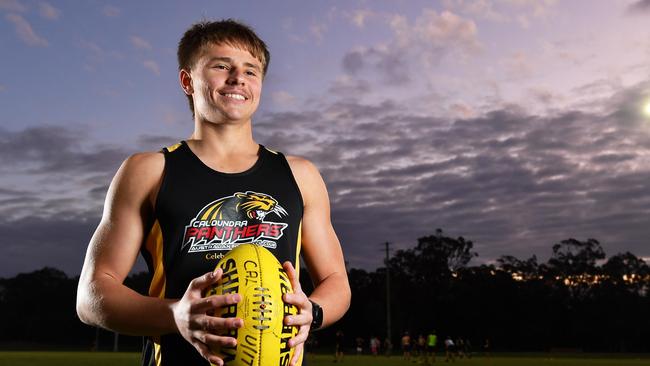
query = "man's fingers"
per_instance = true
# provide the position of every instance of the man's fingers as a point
(299, 300)
(298, 319)
(215, 325)
(206, 280)
(293, 276)
(215, 301)
(207, 354)
(219, 341)
(296, 355)
(300, 338)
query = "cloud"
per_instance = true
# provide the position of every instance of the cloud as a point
(152, 66)
(53, 188)
(513, 182)
(502, 11)
(424, 43)
(318, 30)
(462, 110)
(359, 17)
(347, 85)
(48, 11)
(483, 9)
(523, 21)
(53, 150)
(353, 61)
(54, 176)
(537, 8)
(156, 142)
(54, 184)
(283, 98)
(111, 11)
(442, 30)
(92, 47)
(518, 65)
(97, 54)
(140, 43)
(25, 31)
(639, 6)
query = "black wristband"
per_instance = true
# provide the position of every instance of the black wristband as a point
(317, 316)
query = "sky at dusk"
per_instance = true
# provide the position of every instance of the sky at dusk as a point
(513, 123)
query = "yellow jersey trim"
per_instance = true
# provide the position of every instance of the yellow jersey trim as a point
(154, 245)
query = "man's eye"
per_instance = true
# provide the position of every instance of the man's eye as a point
(252, 73)
(221, 66)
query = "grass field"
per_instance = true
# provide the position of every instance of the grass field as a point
(124, 359)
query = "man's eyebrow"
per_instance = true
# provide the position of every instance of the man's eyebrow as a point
(252, 65)
(228, 59)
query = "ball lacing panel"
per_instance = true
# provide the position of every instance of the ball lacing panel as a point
(265, 307)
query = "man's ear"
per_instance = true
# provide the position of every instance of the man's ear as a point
(185, 79)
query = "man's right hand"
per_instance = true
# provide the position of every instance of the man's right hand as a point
(191, 317)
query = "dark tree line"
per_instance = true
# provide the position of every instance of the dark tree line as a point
(578, 299)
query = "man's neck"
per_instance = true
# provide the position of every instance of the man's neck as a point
(227, 148)
(223, 139)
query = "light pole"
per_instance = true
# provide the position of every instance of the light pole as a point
(388, 332)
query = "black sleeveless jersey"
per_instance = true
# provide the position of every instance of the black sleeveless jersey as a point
(200, 214)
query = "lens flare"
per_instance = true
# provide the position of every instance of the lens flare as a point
(646, 109)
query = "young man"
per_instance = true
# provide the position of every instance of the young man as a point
(432, 340)
(406, 346)
(185, 207)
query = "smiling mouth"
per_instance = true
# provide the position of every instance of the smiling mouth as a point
(234, 96)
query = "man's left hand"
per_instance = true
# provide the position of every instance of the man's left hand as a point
(303, 319)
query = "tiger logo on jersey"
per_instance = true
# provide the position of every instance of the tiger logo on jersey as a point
(229, 221)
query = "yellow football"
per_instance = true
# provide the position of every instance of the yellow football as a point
(257, 275)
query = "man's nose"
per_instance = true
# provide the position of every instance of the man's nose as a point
(235, 77)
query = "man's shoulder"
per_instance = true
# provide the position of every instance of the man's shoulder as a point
(142, 169)
(136, 181)
(143, 162)
(301, 166)
(308, 178)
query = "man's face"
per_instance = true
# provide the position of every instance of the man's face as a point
(226, 84)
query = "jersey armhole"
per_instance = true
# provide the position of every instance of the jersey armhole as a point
(163, 182)
(294, 183)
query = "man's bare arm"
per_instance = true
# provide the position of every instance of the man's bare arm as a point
(102, 299)
(321, 248)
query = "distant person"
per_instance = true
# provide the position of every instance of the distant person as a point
(359, 342)
(468, 348)
(449, 350)
(432, 340)
(406, 346)
(421, 346)
(388, 346)
(374, 345)
(486, 347)
(460, 347)
(338, 353)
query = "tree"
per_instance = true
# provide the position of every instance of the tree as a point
(519, 269)
(627, 270)
(574, 257)
(435, 257)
